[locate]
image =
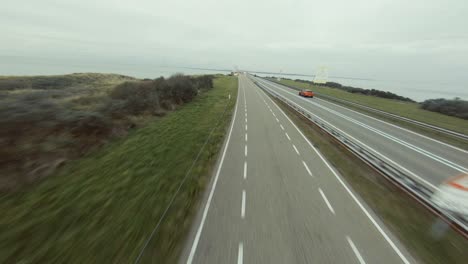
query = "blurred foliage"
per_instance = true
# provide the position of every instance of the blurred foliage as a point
(455, 107)
(83, 110)
(101, 208)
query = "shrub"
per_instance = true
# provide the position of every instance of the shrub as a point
(14, 83)
(182, 88)
(134, 98)
(17, 116)
(84, 124)
(203, 82)
(114, 108)
(123, 91)
(50, 82)
(39, 128)
(89, 100)
(455, 107)
(334, 85)
(151, 96)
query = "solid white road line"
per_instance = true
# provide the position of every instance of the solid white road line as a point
(369, 216)
(307, 168)
(393, 125)
(282, 127)
(375, 151)
(356, 251)
(326, 201)
(240, 255)
(424, 152)
(245, 150)
(245, 169)
(213, 187)
(297, 151)
(287, 136)
(243, 205)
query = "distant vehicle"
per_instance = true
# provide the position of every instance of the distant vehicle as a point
(452, 195)
(306, 93)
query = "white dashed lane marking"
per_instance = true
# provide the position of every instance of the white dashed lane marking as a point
(245, 169)
(297, 151)
(240, 254)
(307, 168)
(243, 205)
(356, 251)
(326, 201)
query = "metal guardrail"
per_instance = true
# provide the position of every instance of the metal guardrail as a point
(417, 190)
(401, 118)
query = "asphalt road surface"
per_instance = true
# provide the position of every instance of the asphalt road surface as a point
(427, 160)
(273, 198)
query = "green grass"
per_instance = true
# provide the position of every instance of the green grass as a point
(405, 218)
(102, 208)
(405, 109)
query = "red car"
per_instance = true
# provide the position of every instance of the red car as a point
(306, 93)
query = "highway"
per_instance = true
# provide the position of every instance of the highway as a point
(273, 198)
(427, 160)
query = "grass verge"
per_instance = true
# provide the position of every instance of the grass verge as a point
(48, 121)
(102, 208)
(419, 230)
(405, 109)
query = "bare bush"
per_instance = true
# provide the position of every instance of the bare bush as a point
(47, 120)
(182, 88)
(455, 107)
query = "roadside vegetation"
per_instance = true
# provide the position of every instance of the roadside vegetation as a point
(101, 208)
(425, 236)
(402, 108)
(410, 110)
(350, 89)
(48, 120)
(455, 107)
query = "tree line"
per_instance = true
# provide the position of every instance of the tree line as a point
(351, 89)
(452, 107)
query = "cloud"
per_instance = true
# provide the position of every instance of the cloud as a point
(387, 39)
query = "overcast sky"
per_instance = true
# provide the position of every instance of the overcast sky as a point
(420, 40)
